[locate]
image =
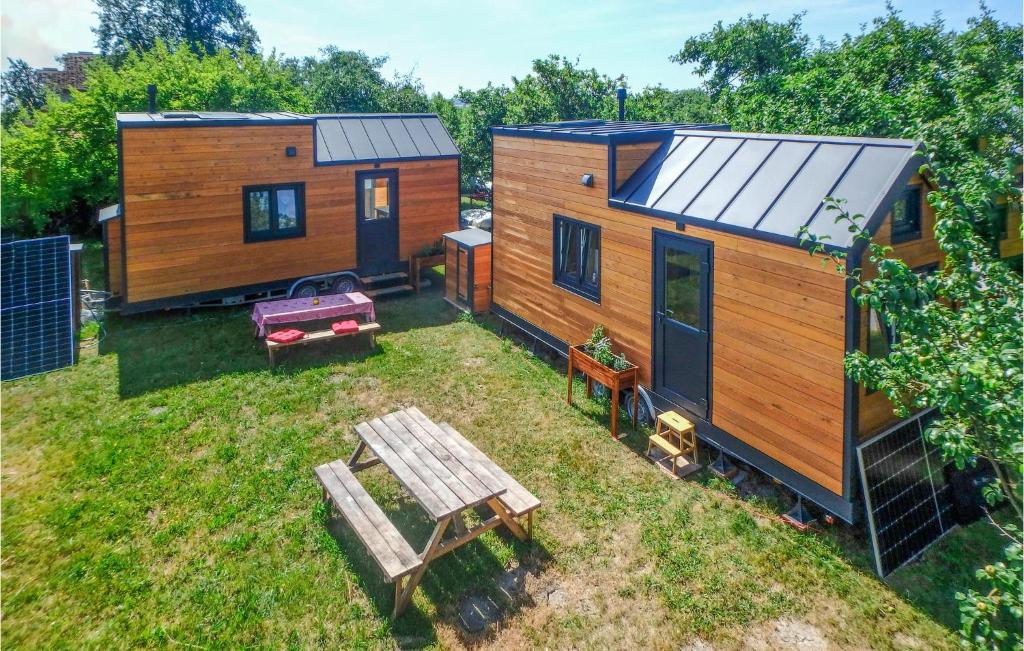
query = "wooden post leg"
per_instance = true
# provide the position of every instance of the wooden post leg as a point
(590, 387)
(507, 519)
(354, 459)
(529, 525)
(405, 595)
(569, 394)
(615, 410)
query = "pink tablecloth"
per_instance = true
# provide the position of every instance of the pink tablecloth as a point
(292, 310)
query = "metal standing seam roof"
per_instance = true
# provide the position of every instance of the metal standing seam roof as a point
(595, 130)
(209, 118)
(338, 139)
(769, 185)
(384, 137)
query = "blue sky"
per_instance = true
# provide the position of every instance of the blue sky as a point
(448, 43)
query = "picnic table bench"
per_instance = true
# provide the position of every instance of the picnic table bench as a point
(268, 314)
(444, 473)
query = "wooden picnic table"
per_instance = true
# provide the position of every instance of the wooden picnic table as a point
(444, 473)
(295, 310)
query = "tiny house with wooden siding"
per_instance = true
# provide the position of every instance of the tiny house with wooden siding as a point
(682, 240)
(233, 207)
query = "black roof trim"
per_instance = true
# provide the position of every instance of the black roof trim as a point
(600, 131)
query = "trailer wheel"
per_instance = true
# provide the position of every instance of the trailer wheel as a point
(307, 289)
(344, 284)
(643, 415)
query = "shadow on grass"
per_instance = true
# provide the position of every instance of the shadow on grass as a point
(165, 349)
(470, 570)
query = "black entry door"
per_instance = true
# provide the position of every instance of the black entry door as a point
(682, 320)
(377, 221)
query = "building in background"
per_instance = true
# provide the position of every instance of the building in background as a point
(71, 76)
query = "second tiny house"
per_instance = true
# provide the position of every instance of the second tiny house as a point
(682, 240)
(232, 207)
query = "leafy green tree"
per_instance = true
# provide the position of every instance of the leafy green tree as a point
(893, 79)
(558, 89)
(206, 25)
(61, 164)
(477, 112)
(659, 104)
(958, 347)
(750, 50)
(21, 88)
(342, 81)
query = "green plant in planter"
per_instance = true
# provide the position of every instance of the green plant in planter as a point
(599, 347)
(437, 248)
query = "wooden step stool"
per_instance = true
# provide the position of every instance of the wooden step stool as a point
(677, 437)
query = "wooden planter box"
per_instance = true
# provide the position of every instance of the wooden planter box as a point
(580, 361)
(418, 263)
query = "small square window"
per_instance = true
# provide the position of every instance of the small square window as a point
(274, 212)
(577, 257)
(906, 216)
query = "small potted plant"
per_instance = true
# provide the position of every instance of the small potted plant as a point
(595, 359)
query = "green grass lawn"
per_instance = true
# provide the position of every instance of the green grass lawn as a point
(161, 493)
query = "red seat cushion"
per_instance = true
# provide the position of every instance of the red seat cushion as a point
(344, 327)
(286, 336)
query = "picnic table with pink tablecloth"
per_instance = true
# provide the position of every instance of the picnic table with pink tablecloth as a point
(292, 310)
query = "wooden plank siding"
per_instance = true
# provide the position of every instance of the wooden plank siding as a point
(629, 157)
(113, 255)
(481, 277)
(874, 409)
(778, 315)
(183, 208)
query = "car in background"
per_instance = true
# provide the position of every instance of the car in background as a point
(475, 218)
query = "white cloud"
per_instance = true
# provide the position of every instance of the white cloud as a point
(39, 30)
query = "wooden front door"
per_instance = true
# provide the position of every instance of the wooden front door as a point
(682, 321)
(377, 221)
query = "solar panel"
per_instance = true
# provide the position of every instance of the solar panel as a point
(37, 331)
(909, 502)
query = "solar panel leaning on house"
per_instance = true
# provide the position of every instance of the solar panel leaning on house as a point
(37, 330)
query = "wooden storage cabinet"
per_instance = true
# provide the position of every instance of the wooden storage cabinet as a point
(467, 269)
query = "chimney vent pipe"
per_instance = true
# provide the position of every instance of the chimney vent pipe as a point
(621, 94)
(151, 93)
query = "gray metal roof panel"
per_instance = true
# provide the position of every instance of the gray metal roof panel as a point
(400, 136)
(359, 139)
(804, 194)
(338, 147)
(765, 184)
(721, 190)
(697, 175)
(444, 143)
(863, 187)
(675, 164)
(383, 145)
(421, 138)
(769, 185)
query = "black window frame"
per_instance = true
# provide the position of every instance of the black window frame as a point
(275, 233)
(912, 198)
(572, 282)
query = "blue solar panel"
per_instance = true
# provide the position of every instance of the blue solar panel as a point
(37, 331)
(909, 502)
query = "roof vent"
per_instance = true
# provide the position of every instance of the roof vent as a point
(180, 114)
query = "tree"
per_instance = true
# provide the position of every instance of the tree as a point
(205, 25)
(958, 347)
(893, 79)
(59, 166)
(558, 89)
(344, 81)
(659, 104)
(747, 51)
(21, 88)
